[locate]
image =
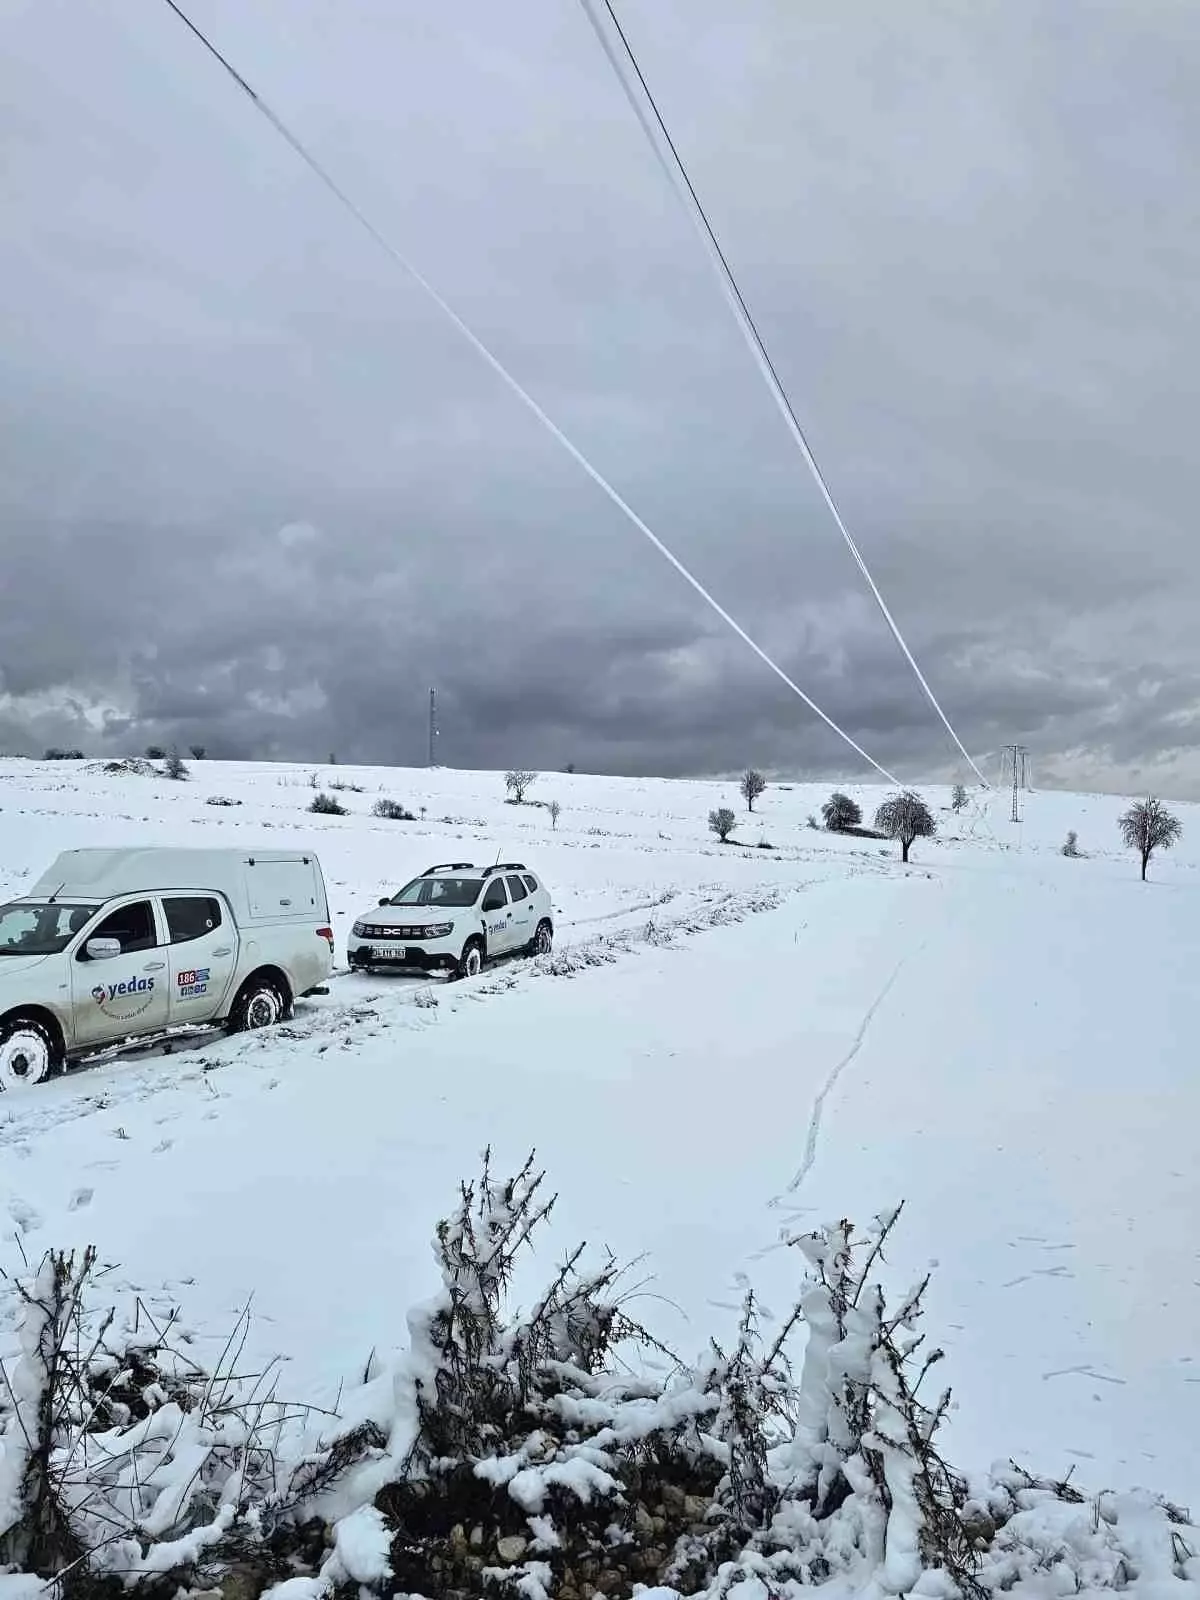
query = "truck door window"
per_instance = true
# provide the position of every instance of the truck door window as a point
(191, 916)
(132, 927)
(495, 899)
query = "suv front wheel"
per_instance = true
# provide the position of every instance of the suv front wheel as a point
(471, 961)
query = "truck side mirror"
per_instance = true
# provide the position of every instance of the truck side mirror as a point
(103, 949)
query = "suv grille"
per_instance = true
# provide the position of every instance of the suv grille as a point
(392, 935)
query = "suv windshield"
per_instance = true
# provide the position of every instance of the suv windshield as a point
(31, 929)
(439, 892)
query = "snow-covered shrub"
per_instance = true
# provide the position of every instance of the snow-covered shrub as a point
(541, 1452)
(221, 800)
(722, 822)
(125, 767)
(392, 811)
(555, 810)
(120, 1455)
(959, 798)
(1071, 848)
(176, 767)
(841, 812)
(327, 805)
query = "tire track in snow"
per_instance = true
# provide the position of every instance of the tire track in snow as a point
(812, 1138)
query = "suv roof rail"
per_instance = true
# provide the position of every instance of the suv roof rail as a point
(449, 866)
(505, 866)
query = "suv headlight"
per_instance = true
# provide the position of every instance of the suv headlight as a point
(359, 929)
(439, 930)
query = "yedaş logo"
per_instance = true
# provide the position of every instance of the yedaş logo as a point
(117, 991)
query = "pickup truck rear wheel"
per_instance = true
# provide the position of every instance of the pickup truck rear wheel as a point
(260, 1004)
(29, 1054)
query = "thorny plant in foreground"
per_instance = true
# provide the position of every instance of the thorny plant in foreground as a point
(128, 1463)
(125, 1457)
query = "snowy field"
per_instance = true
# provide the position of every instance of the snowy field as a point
(1001, 1037)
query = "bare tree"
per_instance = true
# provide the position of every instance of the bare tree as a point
(722, 822)
(958, 797)
(752, 785)
(555, 812)
(198, 752)
(516, 783)
(905, 817)
(1148, 826)
(840, 812)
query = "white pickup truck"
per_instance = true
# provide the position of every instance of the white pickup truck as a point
(117, 945)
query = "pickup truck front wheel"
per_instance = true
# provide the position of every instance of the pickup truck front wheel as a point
(28, 1053)
(260, 1004)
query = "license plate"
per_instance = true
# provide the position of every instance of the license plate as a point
(389, 952)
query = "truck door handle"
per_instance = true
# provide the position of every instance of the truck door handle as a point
(225, 950)
(154, 966)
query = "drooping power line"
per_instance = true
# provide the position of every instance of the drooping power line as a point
(522, 394)
(646, 110)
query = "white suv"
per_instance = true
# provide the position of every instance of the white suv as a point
(453, 918)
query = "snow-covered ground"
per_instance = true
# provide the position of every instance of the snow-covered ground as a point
(997, 1035)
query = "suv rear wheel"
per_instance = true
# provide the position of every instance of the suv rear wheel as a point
(543, 939)
(29, 1053)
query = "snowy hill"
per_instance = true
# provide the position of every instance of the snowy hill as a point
(732, 1043)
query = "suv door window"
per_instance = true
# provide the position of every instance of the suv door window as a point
(531, 883)
(495, 899)
(191, 916)
(517, 888)
(132, 927)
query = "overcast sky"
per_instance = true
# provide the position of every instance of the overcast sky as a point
(256, 493)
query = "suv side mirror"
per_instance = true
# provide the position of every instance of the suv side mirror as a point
(103, 949)
(385, 901)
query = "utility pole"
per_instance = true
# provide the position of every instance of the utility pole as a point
(1017, 757)
(433, 727)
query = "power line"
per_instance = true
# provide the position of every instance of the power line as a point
(672, 164)
(522, 394)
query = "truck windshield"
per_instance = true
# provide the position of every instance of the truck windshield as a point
(439, 892)
(30, 928)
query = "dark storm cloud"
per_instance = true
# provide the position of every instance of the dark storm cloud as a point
(255, 493)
